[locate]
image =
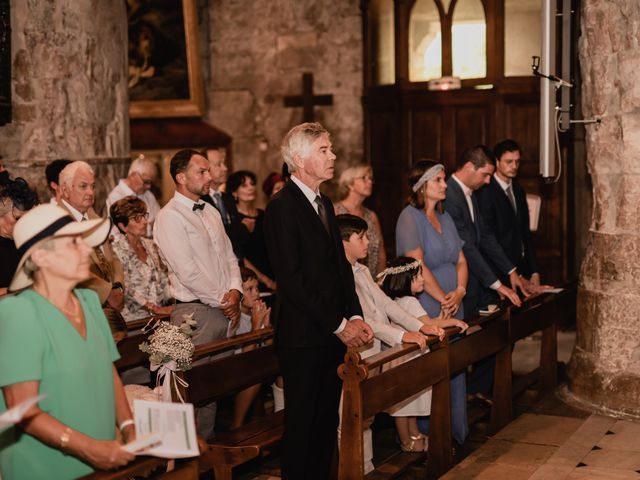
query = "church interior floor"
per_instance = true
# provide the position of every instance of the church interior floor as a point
(548, 440)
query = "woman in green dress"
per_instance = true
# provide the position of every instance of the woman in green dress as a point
(55, 341)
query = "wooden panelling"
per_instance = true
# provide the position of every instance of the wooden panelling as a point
(523, 125)
(389, 191)
(471, 126)
(426, 134)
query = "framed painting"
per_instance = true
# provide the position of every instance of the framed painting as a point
(164, 64)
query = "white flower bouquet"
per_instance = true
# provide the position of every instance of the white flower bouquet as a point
(170, 350)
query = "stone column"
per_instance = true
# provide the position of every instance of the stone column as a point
(605, 366)
(69, 79)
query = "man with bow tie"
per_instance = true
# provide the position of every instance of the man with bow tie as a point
(204, 276)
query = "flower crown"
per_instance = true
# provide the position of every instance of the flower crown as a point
(396, 270)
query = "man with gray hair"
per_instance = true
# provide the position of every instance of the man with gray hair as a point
(317, 311)
(142, 173)
(77, 184)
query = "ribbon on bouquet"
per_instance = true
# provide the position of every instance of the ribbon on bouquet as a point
(166, 378)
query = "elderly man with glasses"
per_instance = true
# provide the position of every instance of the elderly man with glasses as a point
(142, 173)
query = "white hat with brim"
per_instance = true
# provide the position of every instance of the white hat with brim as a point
(48, 221)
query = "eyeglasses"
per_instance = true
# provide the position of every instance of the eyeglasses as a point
(145, 181)
(139, 217)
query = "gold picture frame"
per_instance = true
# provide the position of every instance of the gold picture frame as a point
(164, 64)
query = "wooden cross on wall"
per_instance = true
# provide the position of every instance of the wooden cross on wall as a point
(307, 100)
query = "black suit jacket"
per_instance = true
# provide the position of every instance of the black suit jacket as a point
(316, 289)
(479, 246)
(510, 229)
(236, 231)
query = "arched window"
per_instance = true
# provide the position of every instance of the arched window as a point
(469, 40)
(461, 38)
(382, 42)
(425, 42)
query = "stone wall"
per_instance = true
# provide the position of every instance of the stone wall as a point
(69, 89)
(258, 52)
(605, 367)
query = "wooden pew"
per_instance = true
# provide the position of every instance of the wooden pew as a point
(544, 312)
(130, 354)
(227, 375)
(367, 391)
(491, 339)
(499, 333)
(140, 323)
(146, 467)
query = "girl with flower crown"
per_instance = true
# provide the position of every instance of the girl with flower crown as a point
(403, 281)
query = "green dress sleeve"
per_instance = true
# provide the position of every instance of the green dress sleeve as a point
(22, 342)
(92, 301)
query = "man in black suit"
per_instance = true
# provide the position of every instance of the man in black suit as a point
(503, 204)
(317, 311)
(223, 201)
(475, 167)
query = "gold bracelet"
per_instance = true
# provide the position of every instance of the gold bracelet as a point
(64, 438)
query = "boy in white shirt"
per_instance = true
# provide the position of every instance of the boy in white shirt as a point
(391, 324)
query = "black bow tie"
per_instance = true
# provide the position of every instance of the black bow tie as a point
(198, 206)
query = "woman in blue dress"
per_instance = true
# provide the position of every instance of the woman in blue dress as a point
(426, 232)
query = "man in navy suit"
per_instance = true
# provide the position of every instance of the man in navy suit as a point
(503, 204)
(223, 201)
(481, 249)
(317, 310)
(475, 167)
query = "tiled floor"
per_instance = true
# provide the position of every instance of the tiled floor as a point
(546, 447)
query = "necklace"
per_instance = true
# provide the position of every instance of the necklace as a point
(74, 313)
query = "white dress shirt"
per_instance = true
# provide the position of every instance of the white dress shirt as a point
(77, 216)
(467, 195)
(506, 185)
(197, 251)
(379, 312)
(502, 183)
(122, 190)
(311, 196)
